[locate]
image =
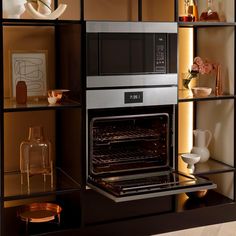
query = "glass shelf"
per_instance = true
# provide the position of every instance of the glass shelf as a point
(14, 190)
(212, 166)
(187, 96)
(205, 24)
(11, 106)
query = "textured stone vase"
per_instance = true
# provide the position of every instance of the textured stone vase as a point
(13, 8)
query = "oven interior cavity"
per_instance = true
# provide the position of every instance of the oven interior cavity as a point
(121, 144)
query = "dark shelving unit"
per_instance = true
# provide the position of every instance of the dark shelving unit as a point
(66, 188)
(86, 212)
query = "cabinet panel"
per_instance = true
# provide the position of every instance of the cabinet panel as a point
(123, 10)
(28, 39)
(215, 44)
(16, 127)
(155, 10)
(218, 117)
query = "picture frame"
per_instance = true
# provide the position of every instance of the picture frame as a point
(31, 67)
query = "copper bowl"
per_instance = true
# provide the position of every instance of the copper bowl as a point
(39, 212)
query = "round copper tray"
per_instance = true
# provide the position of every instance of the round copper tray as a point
(40, 212)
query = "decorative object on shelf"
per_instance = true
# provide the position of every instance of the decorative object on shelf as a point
(35, 156)
(56, 95)
(221, 12)
(193, 10)
(218, 82)
(44, 10)
(188, 13)
(201, 91)
(210, 14)
(29, 66)
(52, 100)
(199, 67)
(44, 6)
(190, 159)
(21, 92)
(39, 213)
(13, 8)
(202, 139)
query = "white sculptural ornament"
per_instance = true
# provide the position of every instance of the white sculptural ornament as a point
(47, 14)
(13, 8)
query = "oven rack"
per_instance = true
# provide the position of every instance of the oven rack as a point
(121, 159)
(109, 135)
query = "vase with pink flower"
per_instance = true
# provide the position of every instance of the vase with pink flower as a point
(199, 66)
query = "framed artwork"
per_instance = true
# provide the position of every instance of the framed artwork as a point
(31, 67)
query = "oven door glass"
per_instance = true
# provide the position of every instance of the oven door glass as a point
(148, 185)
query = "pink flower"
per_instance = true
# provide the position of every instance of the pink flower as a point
(202, 69)
(208, 68)
(195, 67)
(198, 61)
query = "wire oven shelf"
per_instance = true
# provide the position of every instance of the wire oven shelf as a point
(111, 134)
(128, 158)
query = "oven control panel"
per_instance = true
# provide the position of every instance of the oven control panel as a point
(133, 97)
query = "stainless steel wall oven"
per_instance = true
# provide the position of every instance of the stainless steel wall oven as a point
(131, 131)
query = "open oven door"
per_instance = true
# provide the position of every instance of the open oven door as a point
(148, 185)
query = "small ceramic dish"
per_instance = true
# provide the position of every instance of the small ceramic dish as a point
(52, 100)
(201, 91)
(191, 159)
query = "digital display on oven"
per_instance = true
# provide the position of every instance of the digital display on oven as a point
(133, 97)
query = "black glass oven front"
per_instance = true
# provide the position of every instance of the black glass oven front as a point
(131, 53)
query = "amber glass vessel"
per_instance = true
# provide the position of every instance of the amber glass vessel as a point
(210, 14)
(35, 155)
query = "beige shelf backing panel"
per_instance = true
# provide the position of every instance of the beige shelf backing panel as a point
(28, 39)
(158, 10)
(117, 10)
(16, 128)
(218, 117)
(72, 11)
(216, 44)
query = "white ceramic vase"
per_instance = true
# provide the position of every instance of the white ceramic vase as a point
(13, 8)
(43, 9)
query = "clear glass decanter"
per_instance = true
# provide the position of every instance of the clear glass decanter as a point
(35, 155)
(210, 14)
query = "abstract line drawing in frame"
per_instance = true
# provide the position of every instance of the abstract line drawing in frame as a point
(31, 67)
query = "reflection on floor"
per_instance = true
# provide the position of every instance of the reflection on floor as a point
(226, 229)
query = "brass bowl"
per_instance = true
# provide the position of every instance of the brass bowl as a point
(39, 212)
